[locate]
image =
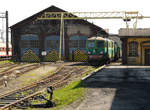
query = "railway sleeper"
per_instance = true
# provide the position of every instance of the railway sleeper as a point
(11, 98)
(23, 105)
(59, 85)
(2, 105)
(7, 101)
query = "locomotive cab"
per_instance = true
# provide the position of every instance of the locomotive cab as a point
(96, 50)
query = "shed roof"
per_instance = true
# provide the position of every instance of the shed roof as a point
(52, 9)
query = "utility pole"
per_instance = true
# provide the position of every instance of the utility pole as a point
(7, 46)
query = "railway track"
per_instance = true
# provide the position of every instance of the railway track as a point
(6, 68)
(5, 64)
(17, 71)
(61, 77)
(5, 58)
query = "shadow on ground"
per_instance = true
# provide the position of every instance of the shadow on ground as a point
(132, 86)
(80, 64)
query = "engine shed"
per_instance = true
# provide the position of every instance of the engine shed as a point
(135, 46)
(44, 35)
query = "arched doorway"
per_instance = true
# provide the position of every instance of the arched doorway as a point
(77, 44)
(29, 41)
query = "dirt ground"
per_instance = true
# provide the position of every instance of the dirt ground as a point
(28, 78)
(117, 87)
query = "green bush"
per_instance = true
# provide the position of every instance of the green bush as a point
(29, 56)
(52, 56)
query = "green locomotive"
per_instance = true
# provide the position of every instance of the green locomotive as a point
(101, 50)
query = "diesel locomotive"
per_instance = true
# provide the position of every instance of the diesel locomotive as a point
(102, 50)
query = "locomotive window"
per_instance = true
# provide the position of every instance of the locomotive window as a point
(133, 48)
(100, 44)
(109, 44)
(91, 44)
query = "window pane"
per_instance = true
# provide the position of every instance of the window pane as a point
(24, 43)
(34, 44)
(54, 44)
(133, 49)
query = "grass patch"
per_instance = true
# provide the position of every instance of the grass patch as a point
(6, 61)
(64, 96)
(68, 94)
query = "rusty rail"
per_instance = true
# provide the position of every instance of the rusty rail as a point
(29, 86)
(63, 80)
(59, 83)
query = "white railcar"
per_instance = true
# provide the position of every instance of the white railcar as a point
(3, 50)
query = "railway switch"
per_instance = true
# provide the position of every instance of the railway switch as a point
(50, 103)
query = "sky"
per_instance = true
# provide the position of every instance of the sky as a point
(21, 9)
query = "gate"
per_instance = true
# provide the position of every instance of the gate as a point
(52, 47)
(77, 48)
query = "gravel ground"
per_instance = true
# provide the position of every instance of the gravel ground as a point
(28, 78)
(117, 87)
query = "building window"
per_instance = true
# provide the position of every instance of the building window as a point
(73, 44)
(133, 49)
(54, 44)
(77, 43)
(34, 43)
(82, 43)
(24, 43)
(29, 44)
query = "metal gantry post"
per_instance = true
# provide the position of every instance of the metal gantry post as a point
(63, 28)
(61, 33)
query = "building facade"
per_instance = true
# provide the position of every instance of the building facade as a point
(135, 46)
(44, 35)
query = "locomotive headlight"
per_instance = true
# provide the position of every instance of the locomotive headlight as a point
(101, 52)
(89, 52)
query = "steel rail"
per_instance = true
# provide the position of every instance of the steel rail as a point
(29, 86)
(59, 83)
(39, 92)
